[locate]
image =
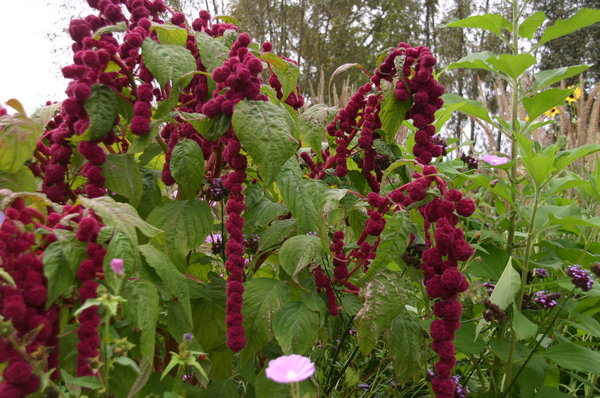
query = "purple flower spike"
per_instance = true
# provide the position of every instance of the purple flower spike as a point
(116, 265)
(290, 369)
(494, 160)
(541, 273)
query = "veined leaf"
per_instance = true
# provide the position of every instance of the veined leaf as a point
(142, 310)
(213, 51)
(546, 78)
(187, 167)
(287, 73)
(544, 101)
(18, 138)
(123, 176)
(490, 22)
(296, 327)
(530, 25)
(102, 108)
(584, 17)
(168, 62)
(299, 251)
(393, 113)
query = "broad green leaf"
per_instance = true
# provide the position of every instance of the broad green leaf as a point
(544, 101)
(470, 107)
(119, 27)
(523, 327)
(227, 19)
(531, 24)
(512, 65)
(21, 181)
(265, 132)
(102, 108)
(166, 106)
(296, 327)
(120, 246)
(187, 167)
(473, 61)
(546, 78)
(174, 280)
(186, 223)
(142, 310)
(263, 297)
(168, 61)
(394, 241)
(507, 287)
(18, 138)
(319, 115)
(58, 272)
(465, 339)
(393, 113)
(587, 323)
(123, 176)
(121, 216)
(584, 17)
(302, 206)
(277, 232)
(151, 196)
(574, 357)
(313, 136)
(142, 378)
(211, 129)
(213, 51)
(44, 114)
(262, 213)
(566, 158)
(299, 251)
(170, 34)
(287, 73)
(221, 388)
(405, 337)
(538, 166)
(384, 300)
(490, 22)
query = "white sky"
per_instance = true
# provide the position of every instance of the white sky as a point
(29, 70)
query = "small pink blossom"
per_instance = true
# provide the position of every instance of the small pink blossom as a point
(116, 265)
(495, 160)
(290, 369)
(213, 238)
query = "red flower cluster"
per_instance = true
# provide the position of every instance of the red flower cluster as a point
(239, 76)
(324, 283)
(25, 304)
(234, 248)
(294, 99)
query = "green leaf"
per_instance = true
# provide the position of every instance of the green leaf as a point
(263, 297)
(507, 287)
(296, 327)
(166, 106)
(277, 231)
(394, 241)
(473, 61)
(120, 246)
(142, 310)
(168, 61)
(548, 77)
(18, 138)
(584, 17)
(123, 176)
(574, 357)
(170, 34)
(299, 251)
(121, 216)
(44, 114)
(490, 22)
(187, 167)
(512, 65)
(531, 24)
(213, 51)
(186, 223)
(545, 100)
(58, 272)
(21, 181)
(523, 327)
(119, 27)
(102, 108)
(175, 281)
(295, 195)
(211, 129)
(287, 73)
(393, 113)
(587, 323)
(405, 339)
(566, 158)
(262, 213)
(265, 132)
(384, 300)
(456, 102)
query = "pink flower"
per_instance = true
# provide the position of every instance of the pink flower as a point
(116, 265)
(290, 369)
(495, 160)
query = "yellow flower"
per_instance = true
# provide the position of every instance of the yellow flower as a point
(552, 112)
(575, 95)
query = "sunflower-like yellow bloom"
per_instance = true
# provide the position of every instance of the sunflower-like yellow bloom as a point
(552, 112)
(575, 95)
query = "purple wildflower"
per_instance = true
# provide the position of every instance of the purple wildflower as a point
(494, 160)
(541, 273)
(580, 277)
(460, 391)
(545, 299)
